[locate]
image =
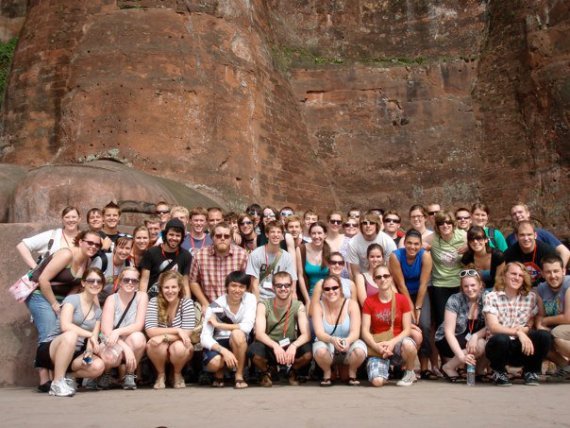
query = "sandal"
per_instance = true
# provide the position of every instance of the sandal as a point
(178, 382)
(265, 380)
(428, 375)
(240, 384)
(159, 384)
(218, 382)
(326, 381)
(450, 379)
(352, 381)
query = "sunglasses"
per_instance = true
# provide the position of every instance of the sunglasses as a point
(125, 235)
(468, 272)
(92, 244)
(349, 224)
(336, 262)
(432, 212)
(385, 276)
(92, 281)
(282, 285)
(448, 222)
(337, 222)
(271, 215)
(246, 223)
(161, 212)
(222, 236)
(253, 213)
(367, 223)
(286, 214)
(333, 288)
(133, 281)
(478, 238)
(391, 220)
(463, 218)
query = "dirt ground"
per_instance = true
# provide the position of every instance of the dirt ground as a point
(425, 404)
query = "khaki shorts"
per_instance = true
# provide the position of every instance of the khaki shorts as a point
(561, 332)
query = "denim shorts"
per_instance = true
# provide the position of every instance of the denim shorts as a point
(380, 367)
(43, 316)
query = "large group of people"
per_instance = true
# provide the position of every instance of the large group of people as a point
(268, 294)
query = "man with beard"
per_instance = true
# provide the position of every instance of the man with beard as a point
(267, 259)
(277, 342)
(166, 256)
(212, 264)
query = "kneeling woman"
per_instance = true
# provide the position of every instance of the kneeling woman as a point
(227, 325)
(336, 321)
(386, 328)
(170, 319)
(72, 344)
(461, 337)
(122, 324)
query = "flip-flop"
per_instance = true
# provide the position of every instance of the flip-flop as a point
(451, 379)
(240, 384)
(326, 381)
(218, 383)
(352, 381)
(428, 375)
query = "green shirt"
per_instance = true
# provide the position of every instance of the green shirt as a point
(276, 319)
(446, 259)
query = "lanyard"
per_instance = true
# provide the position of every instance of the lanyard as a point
(286, 316)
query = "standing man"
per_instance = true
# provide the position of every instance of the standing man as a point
(264, 261)
(276, 340)
(528, 251)
(212, 264)
(111, 218)
(153, 225)
(309, 218)
(432, 210)
(392, 221)
(463, 218)
(370, 234)
(166, 256)
(163, 213)
(198, 236)
(520, 212)
(215, 216)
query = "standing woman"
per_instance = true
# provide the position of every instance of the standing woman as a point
(365, 284)
(336, 321)
(480, 217)
(169, 321)
(480, 254)
(50, 241)
(461, 338)
(446, 250)
(58, 276)
(411, 272)
(418, 218)
(73, 343)
(268, 214)
(141, 242)
(122, 324)
(312, 264)
(335, 238)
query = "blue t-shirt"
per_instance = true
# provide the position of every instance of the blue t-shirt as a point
(553, 301)
(541, 235)
(411, 272)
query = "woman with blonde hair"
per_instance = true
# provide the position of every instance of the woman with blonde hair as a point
(121, 327)
(170, 319)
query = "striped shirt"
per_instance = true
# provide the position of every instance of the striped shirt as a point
(185, 317)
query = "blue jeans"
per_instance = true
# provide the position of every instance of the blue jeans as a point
(43, 315)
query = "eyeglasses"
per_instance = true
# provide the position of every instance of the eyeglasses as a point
(349, 224)
(432, 212)
(448, 222)
(92, 281)
(463, 218)
(336, 262)
(282, 285)
(385, 276)
(337, 222)
(246, 223)
(391, 220)
(133, 281)
(92, 244)
(161, 212)
(367, 223)
(333, 288)
(222, 236)
(468, 272)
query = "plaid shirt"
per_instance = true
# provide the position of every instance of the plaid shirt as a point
(210, 270)
(512, 315)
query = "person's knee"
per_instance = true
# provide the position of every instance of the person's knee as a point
(237, 338)
(357, 355)
(378, 381)
(408, 348)
(322, 354)
(96, 368)
(136, 341)
(215, 364)
(69, 338)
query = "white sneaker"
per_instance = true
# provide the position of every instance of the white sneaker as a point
(71, 383)
(408, 379)
(60, 388)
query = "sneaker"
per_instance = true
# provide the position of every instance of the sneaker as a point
(71, 383)
(501, 379)
(531, 379)
(129, 381)
(44, 387)
(104, 381)
(560, 375)
(89, 384)
(60, 388)
(408, 379)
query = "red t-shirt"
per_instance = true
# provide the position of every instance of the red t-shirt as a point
(380, 313)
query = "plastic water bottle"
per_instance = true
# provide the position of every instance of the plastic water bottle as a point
(470, 375)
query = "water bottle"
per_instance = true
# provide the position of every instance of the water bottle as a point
(470, 375)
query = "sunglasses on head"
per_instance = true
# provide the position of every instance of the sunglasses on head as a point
(468, 272)
(333, 288)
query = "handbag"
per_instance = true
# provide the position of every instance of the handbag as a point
(197, 331)
(23, 287)
(385, 335)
